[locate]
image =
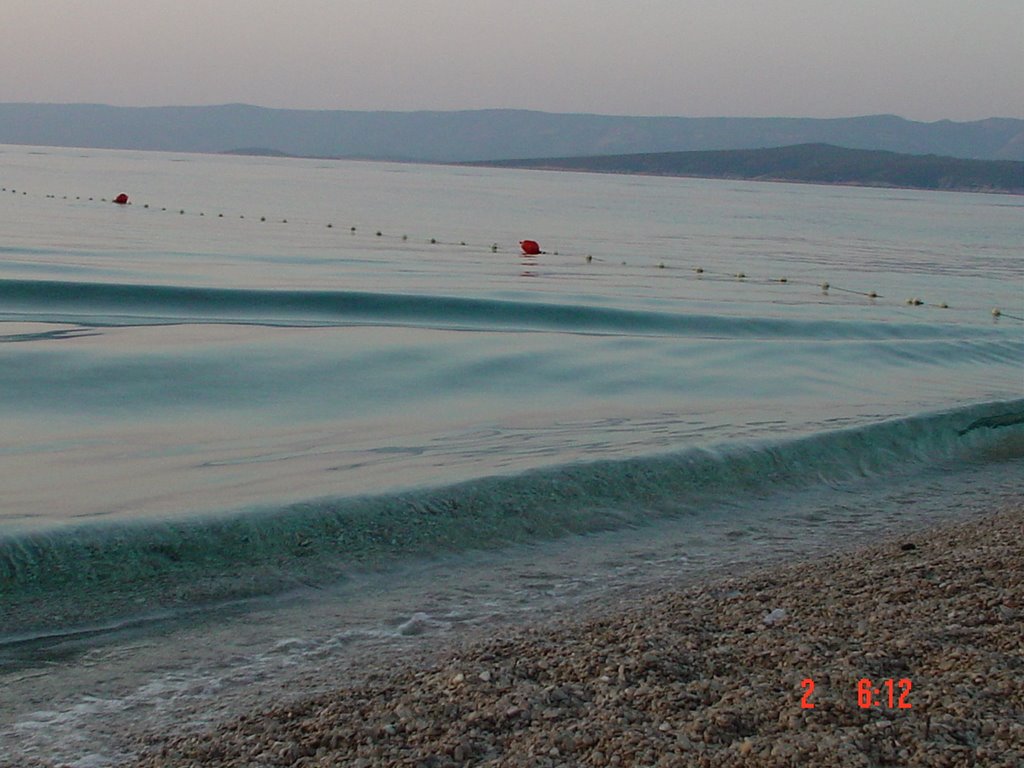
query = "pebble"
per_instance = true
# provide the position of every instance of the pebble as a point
(680, 676)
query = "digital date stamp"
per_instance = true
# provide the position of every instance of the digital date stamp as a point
(887, 694)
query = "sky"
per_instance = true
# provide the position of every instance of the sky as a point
(920, 59)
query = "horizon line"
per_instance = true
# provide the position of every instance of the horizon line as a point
(498, 109)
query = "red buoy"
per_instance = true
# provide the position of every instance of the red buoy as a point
(530, 247)
(121, 199)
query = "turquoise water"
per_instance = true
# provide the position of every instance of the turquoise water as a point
(266, 373)
(241, 342)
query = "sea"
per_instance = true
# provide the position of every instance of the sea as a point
(276, 420)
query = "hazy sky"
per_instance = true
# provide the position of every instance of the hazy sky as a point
(922, 59)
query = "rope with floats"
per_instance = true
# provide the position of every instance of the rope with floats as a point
(530, 249)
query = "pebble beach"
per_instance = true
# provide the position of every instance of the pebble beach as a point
(903, 652)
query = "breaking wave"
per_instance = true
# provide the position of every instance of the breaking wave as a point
(260, 551)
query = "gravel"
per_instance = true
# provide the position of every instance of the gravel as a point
(709, 674)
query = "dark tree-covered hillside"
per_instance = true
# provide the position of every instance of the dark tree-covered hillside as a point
(815, 163)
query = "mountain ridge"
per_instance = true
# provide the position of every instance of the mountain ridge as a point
(482, 135)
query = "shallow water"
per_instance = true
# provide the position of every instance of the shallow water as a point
(203, 408)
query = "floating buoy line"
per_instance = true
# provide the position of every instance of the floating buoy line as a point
(530, 249)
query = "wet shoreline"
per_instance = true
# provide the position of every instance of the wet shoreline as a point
(706, 674)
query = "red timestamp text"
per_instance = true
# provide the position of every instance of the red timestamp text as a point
(889, 693)
(894, 694)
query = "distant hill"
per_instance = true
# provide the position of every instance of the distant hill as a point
(480, 134)
(815, 163)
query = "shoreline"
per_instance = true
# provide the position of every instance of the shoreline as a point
(710, 673)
